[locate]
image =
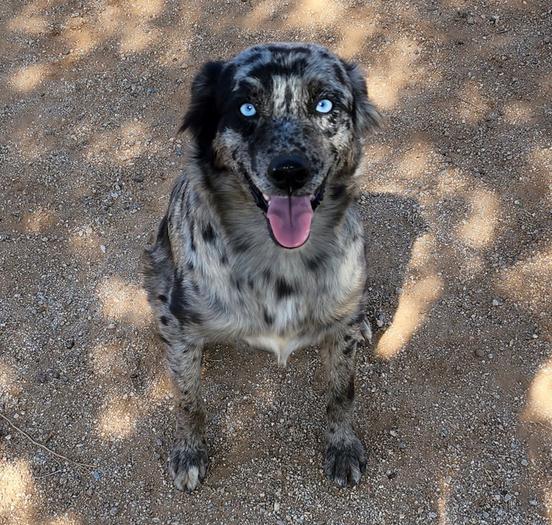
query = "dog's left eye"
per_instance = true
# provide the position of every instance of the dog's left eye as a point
(247, 110)
(324, 106)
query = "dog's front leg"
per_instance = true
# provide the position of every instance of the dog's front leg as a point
(345, 459)
(188, 459)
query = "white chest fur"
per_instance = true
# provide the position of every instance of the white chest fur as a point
(282, 347)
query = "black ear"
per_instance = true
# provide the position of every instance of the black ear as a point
(203, 115)
(365, 114)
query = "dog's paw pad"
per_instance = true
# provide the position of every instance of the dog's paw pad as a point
(188, 466)
(345, 462)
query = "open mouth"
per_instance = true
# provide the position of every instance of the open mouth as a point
(289, 217)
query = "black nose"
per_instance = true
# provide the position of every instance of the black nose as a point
(288, 172)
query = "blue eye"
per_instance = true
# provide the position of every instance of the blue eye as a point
(247, 110)
(324, 106)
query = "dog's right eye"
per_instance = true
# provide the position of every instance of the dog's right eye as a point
(247, 109)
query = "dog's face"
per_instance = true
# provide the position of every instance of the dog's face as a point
(284, 120)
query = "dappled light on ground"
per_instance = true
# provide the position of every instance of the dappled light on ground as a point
(539, 399)
(478, 230)
(31, 25)
(444, 494)
(422, 288)
(119, 417)
(68, 519)
(456, 192)
(415, 303)
(9, 384)
(107, 361)
(392, 76)
(518, 283)
(124, 302)
(415, 162)
(473, 104)
(29, 77)
(354, 36)
(518, 112)
(17, 491)
(39, 220)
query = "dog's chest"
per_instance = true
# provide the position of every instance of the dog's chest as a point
(282, 310)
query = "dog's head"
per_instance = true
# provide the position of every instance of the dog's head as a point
(286, 120)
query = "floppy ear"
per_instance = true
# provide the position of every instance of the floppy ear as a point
(365, 114)
(203, 115)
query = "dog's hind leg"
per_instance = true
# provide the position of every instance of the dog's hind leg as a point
(188, 459)
(345, 458)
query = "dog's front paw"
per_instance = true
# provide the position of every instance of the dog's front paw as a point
(345, 462)
(188, 466)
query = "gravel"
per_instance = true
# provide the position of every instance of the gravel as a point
(453, 398)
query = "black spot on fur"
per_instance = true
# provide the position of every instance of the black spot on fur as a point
(224, 259)
(192, 243)
(267, 275)
(208, 233)
(349, 348)
(164, 339)
(162, 298)
(164, 320)
(269, 319)
(265, 73)
(190, 266)
(180, 307)
(283, 288)
(338, 191)
(276, 49)
(316, 262)
(241, 245)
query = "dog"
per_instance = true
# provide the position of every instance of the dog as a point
(262, 240)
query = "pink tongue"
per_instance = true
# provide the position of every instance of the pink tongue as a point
(290, 219)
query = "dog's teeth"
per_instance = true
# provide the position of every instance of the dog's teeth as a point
(266, 197)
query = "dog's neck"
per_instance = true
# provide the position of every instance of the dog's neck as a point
(245, 227)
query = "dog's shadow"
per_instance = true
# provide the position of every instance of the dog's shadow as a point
(392, 224)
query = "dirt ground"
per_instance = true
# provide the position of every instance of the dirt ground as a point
(455, 397)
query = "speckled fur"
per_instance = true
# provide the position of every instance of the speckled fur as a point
(214, 272)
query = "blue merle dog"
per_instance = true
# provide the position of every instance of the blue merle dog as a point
(262, 239)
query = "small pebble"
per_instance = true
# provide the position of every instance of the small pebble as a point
(103, 248)
(479, 352)
(97, 475)
(69, 343)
